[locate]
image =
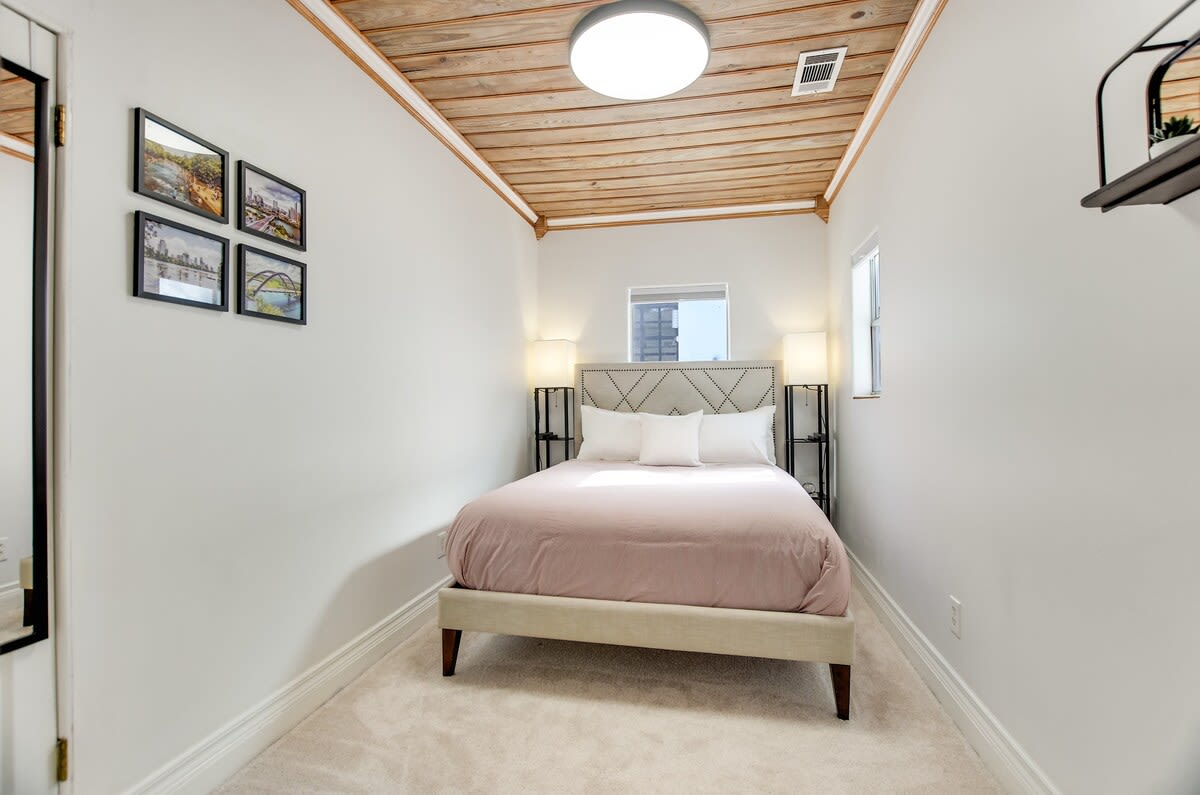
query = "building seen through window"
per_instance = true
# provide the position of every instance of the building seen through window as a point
(673, 324)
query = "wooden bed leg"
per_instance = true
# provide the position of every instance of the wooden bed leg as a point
(450, 641)
(840, 674)
(27, 619)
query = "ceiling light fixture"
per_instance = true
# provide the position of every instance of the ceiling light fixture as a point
(639, 49)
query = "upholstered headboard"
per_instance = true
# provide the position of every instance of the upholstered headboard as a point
(679, 387)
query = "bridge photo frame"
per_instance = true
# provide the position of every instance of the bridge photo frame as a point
(271, 286)
(271, 208)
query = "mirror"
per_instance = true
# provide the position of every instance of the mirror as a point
(1175, 88)
(24, 186)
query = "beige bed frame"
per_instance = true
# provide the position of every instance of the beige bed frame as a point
(680, 387)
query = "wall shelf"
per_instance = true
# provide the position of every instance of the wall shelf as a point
(1169, 176)
(1160, 181)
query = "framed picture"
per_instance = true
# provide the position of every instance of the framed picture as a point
(269, 207)
(179, 264)
(178, 168)
(271, 286)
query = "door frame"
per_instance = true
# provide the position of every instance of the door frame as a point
(58, 243)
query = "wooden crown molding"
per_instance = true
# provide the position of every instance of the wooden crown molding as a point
(822, 209)
(335, 27)
(924, 17)
(673, 216)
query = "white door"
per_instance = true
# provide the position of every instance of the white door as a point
(28, 712)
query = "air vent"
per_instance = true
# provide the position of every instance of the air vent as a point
(817, 71)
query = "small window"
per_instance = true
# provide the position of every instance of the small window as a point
(688, 323)
(864, 287)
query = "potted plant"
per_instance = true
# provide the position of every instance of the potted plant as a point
(1172, 134)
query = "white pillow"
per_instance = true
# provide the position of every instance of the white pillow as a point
(670, 441)
(738, 438)
(609, 435)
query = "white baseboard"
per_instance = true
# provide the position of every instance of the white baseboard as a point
(1009, 763)
(214, 759)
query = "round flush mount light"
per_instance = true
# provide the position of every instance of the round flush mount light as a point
(639, 49)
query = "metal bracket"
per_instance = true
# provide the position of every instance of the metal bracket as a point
(60, 125)
(63, 764)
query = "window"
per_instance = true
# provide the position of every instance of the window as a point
(864, 288)
(688, 323)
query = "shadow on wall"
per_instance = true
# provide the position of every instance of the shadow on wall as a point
(1188, 207)
(410, 569)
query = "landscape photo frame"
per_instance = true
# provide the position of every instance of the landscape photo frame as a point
(179, 264)
(272, 286)
(176, 167)
(271, 208)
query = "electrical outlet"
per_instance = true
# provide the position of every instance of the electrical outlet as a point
(956, 617)
(3, 549)
(441, 537)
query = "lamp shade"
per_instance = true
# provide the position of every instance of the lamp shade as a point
(804, 358)
(639, 49)
(552, 362)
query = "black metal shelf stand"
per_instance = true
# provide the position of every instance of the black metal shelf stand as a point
(1167, 177)
(819, 437)
(544, 437)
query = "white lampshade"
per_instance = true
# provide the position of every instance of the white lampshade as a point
(639, 49)
(552, 362)
(804, 358)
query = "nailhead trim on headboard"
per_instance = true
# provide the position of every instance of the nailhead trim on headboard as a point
(753, 386)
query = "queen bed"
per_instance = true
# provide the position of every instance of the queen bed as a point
(727, 556)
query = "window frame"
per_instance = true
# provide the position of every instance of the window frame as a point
(866, 315)
(876, 357)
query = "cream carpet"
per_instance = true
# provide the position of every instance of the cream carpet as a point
(12, 616)
(535, 716)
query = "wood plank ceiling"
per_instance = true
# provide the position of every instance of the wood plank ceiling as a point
(16, 106)
(1179, 93)
(498, 71)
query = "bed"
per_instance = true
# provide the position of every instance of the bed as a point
(726, 558)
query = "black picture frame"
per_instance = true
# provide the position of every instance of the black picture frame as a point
(141, 185)
(140, 290)
(301, 242)
(244, 294)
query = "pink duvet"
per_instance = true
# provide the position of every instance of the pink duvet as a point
(721, 535)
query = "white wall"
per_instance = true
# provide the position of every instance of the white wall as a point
(241, 496)
(1034, 451)
(775, 268)
(16, 357)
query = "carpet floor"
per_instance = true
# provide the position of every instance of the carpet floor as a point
(536, 716)
(12, 616)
